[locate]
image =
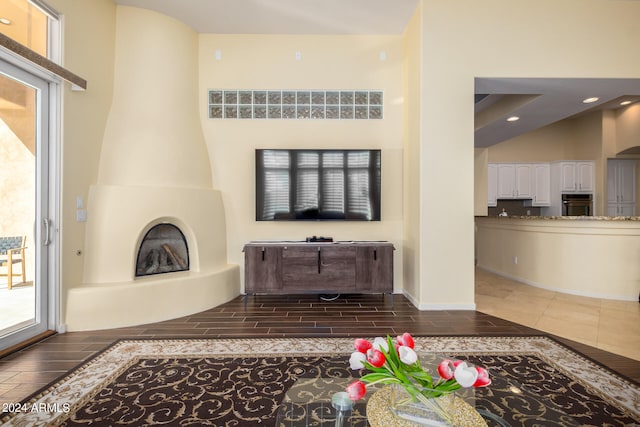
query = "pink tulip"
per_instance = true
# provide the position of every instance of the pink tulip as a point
(483, 378)
(445, 369)
(406, 339)
(362, 345)
(376, 358)
(356, 390)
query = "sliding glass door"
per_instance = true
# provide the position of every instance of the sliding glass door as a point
(25, 227)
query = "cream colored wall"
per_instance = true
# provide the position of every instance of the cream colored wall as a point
(327, 62)
(88, 50)
(153, 135)
(591, 258)
(496, 38)
(412, 55)
(628, 127)
(546, 144)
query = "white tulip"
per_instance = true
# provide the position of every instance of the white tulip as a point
(380, 344)
(357, 359)
(407, 355)
(465, 375)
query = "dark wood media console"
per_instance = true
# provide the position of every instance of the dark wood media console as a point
(318, 267)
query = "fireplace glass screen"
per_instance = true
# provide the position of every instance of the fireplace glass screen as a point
(163, 250)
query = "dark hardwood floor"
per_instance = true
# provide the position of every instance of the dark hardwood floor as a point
(24, 372)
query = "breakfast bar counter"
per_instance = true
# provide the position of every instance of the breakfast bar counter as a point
(572, 218)
(595, 256)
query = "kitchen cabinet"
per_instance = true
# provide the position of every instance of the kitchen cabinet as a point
(331, 267)
(541, 183)
(570, 177)
(621, 187)
(514, 180)
(520, 181)
(576, 177)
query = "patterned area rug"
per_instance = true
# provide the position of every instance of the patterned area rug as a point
(244, 382)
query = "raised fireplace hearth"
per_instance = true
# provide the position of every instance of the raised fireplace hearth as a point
(163, 249)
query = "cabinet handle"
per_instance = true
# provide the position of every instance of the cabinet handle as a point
(319, 261)
(375, 254)
(262, 254)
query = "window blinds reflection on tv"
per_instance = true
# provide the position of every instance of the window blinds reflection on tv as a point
(304, 184)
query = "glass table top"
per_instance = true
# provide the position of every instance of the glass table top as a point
(504, 403)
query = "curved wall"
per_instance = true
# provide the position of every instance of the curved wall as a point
(153, 135)
(593, 258)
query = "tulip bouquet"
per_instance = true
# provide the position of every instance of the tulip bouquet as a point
(392, 362)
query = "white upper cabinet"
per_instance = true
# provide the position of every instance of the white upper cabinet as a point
(576, 177)
(523, 180)
(541, 184)
(519, 181)
(514, 180)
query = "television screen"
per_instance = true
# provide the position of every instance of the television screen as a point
(302, 184)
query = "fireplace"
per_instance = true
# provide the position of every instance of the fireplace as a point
(162, 250)
(154, 170)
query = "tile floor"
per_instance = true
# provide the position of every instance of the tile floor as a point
(609, 325)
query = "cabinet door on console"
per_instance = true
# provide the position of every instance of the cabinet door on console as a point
(262, 268)
(374, 269)
(319, 268)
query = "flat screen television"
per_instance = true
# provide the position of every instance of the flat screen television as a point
(313, 185)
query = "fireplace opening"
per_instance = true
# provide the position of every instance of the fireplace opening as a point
(162, 250)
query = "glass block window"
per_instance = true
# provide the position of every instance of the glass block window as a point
(296, 104)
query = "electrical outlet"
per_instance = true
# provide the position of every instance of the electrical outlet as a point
(515, 259)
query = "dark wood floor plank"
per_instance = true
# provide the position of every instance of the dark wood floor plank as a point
(24, 372)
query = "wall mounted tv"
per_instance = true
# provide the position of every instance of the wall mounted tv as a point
(313, 185)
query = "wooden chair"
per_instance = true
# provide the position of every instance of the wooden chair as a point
(12, 252)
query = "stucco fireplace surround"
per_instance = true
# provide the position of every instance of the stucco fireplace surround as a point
(154, 169)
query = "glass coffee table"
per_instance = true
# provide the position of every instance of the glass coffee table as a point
(316, 402)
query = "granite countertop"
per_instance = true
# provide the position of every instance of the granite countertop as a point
(579, 218)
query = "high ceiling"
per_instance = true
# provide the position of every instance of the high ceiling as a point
(286, 16)
(537, 101)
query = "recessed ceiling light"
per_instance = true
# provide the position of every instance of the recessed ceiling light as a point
(590, 100)
(5, 21)
(625, 103)
(513, 119)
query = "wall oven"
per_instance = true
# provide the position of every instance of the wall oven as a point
(577, 205)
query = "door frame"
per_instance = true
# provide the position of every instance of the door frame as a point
(51, 130)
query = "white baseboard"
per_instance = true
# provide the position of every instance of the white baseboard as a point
(437, 307)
